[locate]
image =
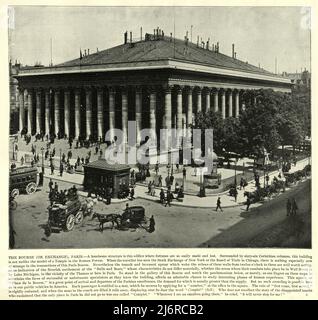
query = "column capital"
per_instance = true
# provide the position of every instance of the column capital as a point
(206, 90)
(167, 88)
(88, 88)
(198, 90)
(189, 89)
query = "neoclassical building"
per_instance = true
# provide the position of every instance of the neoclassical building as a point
(157, 80)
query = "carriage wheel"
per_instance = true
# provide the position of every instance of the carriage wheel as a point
(70, 221)
(14, 193)
(30, 188)
(13, 205)
(79, 217)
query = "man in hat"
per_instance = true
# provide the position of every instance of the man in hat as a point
(218, 204)
(151, 224)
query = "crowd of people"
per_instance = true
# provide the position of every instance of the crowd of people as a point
(61, 196)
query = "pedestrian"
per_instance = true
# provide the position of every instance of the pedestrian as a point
(52, 168)
(241, 183)
(168, 198)
(167, 180)
(51, 185)
(171, 180)
(152, 189)
(177, 167)
(56, 187)
(195, 171)
(149, 187)
(160, 181)
(267, 179)
(235, 194)
(184, 172)
(248, 203)
(288, 207)
(100, 153)
(96, 149)
(294, 207)
(162, 196)
(157, 168)
(22, 161)
(151, 224)
(218, 204)
(61, 169)
(132, 193)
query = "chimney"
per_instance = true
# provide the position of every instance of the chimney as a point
(130, 37)
(125, 37)
(218, 47)
(235, 55)
(208, 44)
(198, 42)
(213, 47)
(140, 33)
(233, 50)
(163, 34)
(88, 52)
(85, 52)
(154, 32)
(170, 36)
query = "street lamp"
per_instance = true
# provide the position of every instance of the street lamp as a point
(13, 145)
(60, 156)
(235, 182)
(42, 149)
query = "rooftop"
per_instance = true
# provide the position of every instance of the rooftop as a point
(104, 165)
(163, 48)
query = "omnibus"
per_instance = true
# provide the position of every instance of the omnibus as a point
(23, 179)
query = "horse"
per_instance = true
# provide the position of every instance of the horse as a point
(103, 218)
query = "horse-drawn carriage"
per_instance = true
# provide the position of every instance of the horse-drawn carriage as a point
(132, 217)
(66, 216)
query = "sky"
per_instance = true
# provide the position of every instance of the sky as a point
(259, 33)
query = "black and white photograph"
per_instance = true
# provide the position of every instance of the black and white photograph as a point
(159, 127)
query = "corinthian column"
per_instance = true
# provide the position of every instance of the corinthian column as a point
(230, 96)
(47, 111)
(223, 103)
(190, 107)
(111, 112)
(152, 113)
(199, 100)
(167, 123)
(124, 110)
(67, 112)
(216, 100)
(38, 111)
(237, 104)
(30, 113)
(77, 101)
(21, 109)
(207, 100)
(138, 98)
(179, 108)
(56, 111)
(100, 113)
(88, 93)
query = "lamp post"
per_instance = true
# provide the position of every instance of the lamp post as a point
(42, 149)
(60, 156)
(235, 182)
(13, 145)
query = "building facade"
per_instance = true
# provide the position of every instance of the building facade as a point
(158, 81)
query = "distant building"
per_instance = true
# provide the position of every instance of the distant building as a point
(14, 97)
(299, 78)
